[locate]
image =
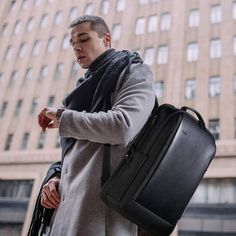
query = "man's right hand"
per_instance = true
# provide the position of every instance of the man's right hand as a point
(50, 197)
(43, 119)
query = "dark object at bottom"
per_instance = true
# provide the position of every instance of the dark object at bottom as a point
(161, 169)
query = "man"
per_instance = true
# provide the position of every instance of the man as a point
(109, 106)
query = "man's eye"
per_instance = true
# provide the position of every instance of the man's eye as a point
(84, 40)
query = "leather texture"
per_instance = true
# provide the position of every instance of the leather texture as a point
(161, 170)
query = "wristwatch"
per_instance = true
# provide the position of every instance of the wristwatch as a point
(59, 113)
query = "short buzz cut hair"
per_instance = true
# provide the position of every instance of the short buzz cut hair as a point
(96, 23)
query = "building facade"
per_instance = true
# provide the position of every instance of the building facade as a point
(191, 48)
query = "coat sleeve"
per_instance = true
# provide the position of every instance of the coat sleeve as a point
(133, 103)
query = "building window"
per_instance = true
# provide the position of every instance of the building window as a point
(25, 4)
(234, 82)
(22, 50)
(37, 2)
(192, 52)
(58, 18)
(162, 55)
(116, 32)
(4, 108)
(215, 48)
(1, 77)
(4, 29)
(17, 27)
(194, 18)
(152, 23)
(51, 101)
(165, 22)
(51, 44)
(34, 105)
(148, 56)
(66, 42)
(215, 14)
(29, 74)
(13, 78)
(59, 71)
(214, 86)
(8, 53)
(159, 88)
(37, 47)
(15, 189)
(74, 70)
(211, 210)
(190, 88)
(140, 26)
(18, 108)
(142, 2)
(43, 72)
(24, 141)
(8, 142)
(214, 128)
(14, 198)
(104, 8)
(12, 5)
(120, 5)
(234, 10)
(30, 24)
(234, 45)
(44, 21)
(41, 140)
(88, 10)
(73, 14)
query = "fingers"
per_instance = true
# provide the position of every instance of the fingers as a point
(40, 121)
(52, 126)
(46, 202)
(54, 192)
(51, 113)
(43, 120)
(50, 197)
(49, 200)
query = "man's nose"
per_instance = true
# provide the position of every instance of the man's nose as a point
(78, 47)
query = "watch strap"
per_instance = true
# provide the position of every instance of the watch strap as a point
(59, 113)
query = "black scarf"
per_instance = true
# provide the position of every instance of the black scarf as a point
(93, 91)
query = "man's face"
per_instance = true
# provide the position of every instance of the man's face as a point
(87, 45)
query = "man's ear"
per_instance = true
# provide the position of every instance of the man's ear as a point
(107, 39)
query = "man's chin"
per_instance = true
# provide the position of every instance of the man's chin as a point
(84, 66)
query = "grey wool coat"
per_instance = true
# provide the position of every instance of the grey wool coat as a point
(81, 211)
